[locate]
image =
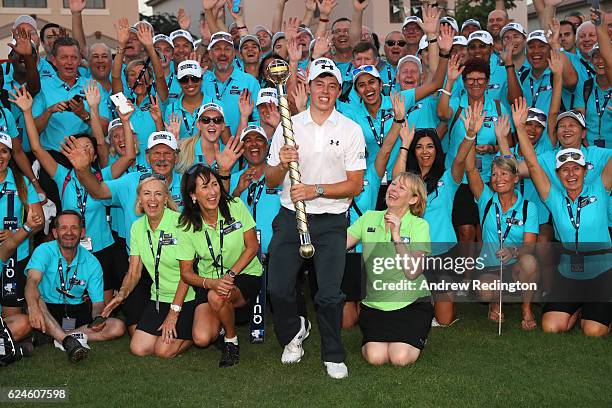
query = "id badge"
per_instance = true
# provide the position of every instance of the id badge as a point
(68, 323)
(479, 164)
(87, 244)
(10, 223)
(577, 263)
(383, 181)
(600, 143)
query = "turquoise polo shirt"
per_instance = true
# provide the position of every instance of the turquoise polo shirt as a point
(598, 116)
(227, 94)
(174, 88)
(511, 222)
(8, 124)
(84, 266)
(17, 113)
(188, 120)
(376, 129)
(585, 70)
(388, 77)
(143, 125)
(366, 200)
(596, 159)
(592, 233)
(538, 92)
(263, 204)
(23, 250)
(61, 124)
(498, 82)
(486, 135)
(439, 213)
(423, 114)
(528, 189)
(94, 214)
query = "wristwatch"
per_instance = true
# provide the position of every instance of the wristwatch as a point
(175, 308)
(320, 190)
(231, 273)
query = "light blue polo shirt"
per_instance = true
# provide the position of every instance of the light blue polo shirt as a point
(585, 70)
(439, 213)
(498, 82)
(8, 124)
(596, 159)
(388, 78)
(143, 124)
(17, 113)
(188, 120)
(174, 88)
(264, 205)
(88, 272)
(511, 221)
(96, 226)
(366, 200)
(598, 116)
(423, 114)
(23, 250)
(227, 94)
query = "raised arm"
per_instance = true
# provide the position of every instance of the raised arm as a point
(76, 9)
(145, 36)
(514, 87)
(238, 18)
(357, 21)
(80, 162)
(431, 23)
(570, 75)
(556, 66)
(92, 95)
(23, 47)
(124, 162)
(473, 120)
(603, 39)
(399, 111)
(123, 34)
(445, 112)
(445, 42)
(310, 6)
(277, 18)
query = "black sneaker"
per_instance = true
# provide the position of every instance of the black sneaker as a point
(40, 339)
(230, 355)
(26, 347)
(76, 352)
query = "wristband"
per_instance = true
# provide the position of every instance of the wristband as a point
(404, 148)
(441, 55)
(509, 66)
(324, 20)
(445, 92)
(87, 118)
(204, 283)
(469, 138)
(399, 120)
(27, 229)
(434, 40)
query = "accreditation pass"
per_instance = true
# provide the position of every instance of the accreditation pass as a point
(25, 394)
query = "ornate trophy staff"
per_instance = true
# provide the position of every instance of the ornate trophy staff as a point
(277, 72)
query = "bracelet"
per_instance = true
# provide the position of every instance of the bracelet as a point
(445, 92)
(204, 283)
(402, 120)
(324, 20)
(120, 50)
(27, 229)
(87, 118)
(509, 66)
(441, 55)
(469, 138)
(434, 40)
(404, 148)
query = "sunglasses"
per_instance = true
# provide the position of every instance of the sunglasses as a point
(156, 176)
(391, 43)
(217, 120)
(188, 78)
(536, 115)
(199, 166)
(365, 68)
(505, 156)
(566, 156)
(221, 37)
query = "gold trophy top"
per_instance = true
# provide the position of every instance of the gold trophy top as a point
(277, 72)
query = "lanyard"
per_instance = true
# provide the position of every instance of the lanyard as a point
(538, 90)
(169, 83)
(600, 111)
(66, 292)
(499, 228)
(391, 78)
(255, 190)
(575, 221)
(219, 96)
(378, 137)
(3, 191)
(193, 126)
(217, 265)
(81, 201)
(157, 257)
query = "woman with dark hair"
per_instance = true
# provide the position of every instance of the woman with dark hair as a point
(98, 238)
(421, 153)
(217, 253)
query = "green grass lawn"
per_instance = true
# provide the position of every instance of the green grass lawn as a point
(466, 365)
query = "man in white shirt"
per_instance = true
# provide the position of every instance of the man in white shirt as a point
(332, 162)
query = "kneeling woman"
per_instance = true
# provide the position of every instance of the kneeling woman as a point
(164, 329)
(219, 232)
(395, 323)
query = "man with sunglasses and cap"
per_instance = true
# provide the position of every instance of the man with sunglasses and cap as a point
(59, 272)
(395, 48)
(224, 83)
(332, 162)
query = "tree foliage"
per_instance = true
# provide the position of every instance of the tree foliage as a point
(163, 23)
(478, 10)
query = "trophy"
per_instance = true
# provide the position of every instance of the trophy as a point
(277, 72)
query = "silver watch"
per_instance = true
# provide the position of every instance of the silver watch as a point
(175, 308)
(319, 189)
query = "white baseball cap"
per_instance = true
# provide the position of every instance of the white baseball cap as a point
(181, 33)
(253, 129)
(25, 19)
(536, 115)
(413, 19)
(471, 21)
(116, 123)
(189, 67)
(537, 35)
(481, 35)
(210, 106)
(220, 36)
(410, 58)
(365, 69)
(513, 26)
(569, 155)
(324, 66)
(162, 37)
(249, 37)
(460, 40)
(577, 116)
(259, 28)
(162, 137)
(305, 30)
(134, 27)
(6, 140)
(267, 95)
(450, 21)
(423, 43)
(277, 37)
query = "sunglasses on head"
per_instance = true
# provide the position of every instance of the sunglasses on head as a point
(217, 120)
(199, 166)
(566, 156)
(188, 78)
(391, 43)
(156, 176)
(221, 37)
(505, 156)
(365, 68)
(539, 116)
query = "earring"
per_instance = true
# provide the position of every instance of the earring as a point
(193, 200)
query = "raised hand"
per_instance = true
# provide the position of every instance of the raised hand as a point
(294, 50)
(311, 6)
(291, 28)
(184, 20)
(360, 6)
(155, 110)
(174, 125)
(506, 54)
(407, 134)
(473, 119)
(22, 98)
(520, 110)
(445, 39)
(326, 6)
(555, 63)
(232, 152)
(208, 4)
(145, 35)
(454, 69)
(236, 16)
(92, 93)
(76, 156)
(76, 6)
(398, 101)
(245, 104)
(125, 117)
(431, 19)
(123, 31)
(553, 33)
(322, 46)
(502, 127)
(23, 44)
(300, 97)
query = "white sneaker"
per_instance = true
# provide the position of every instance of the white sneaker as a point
(293, 351)
(336, 370)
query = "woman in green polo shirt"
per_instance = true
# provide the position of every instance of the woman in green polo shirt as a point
(219, 232)
(164, 329)
(396, 313)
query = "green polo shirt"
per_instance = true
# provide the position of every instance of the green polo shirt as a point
(194, 245)
(169, 270)
(387, 287)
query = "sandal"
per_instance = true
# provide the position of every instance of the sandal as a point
(529, 324)
(495, 316)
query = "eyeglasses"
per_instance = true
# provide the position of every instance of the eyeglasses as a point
(188, 78)
(472, 81)
(536, 115)
(391, 43)
(217, 120)
(156, 176)
(566, 156)
(363, 68)
(474, 46)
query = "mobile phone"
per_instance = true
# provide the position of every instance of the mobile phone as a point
(121, 102)
(97, 321)
(77, 98)
(236, 6)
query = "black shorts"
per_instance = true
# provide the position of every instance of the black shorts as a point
(248, 285)
(151, 320)
(409, 325)
(80, 312)
(436, 273)
(115, 263)
(352, 281)
(597, 311)
(465, 210)
(19, 299)
(134, 305)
